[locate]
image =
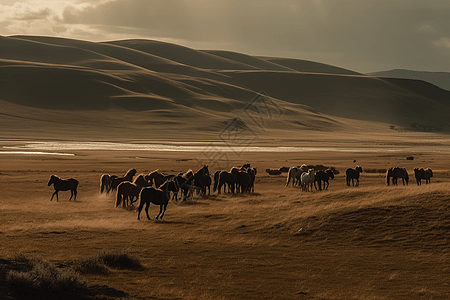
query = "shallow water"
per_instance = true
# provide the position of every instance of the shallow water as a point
(65, 148)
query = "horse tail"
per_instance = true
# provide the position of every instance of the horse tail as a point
(431, 172)
(288, 178)
(388, 176)
(216, 180)
(119, 196)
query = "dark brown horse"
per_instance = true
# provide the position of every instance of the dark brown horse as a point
(105, 183)
(423, 174)
(118, 180)
(226, 179)
(396, 173)
(127, 191)
(63, 185)
(202, 179)
(158, 178)
(243, 181)
(184, 183)
(158, 196)
(323, 176)
(352, 174)
(252, 172)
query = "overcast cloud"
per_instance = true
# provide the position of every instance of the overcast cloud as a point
(363, 36)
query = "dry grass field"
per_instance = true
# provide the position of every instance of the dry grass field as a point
(366, 242)
(151, 105)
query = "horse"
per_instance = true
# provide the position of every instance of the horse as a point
(158, 178)
(323, 176)
(129, 190)
(216, 180)
(118, 180)
(184, 183)
(252, 172)
(226, 178)
(352, 174)
(105, 183)
(423, 174)
(158, 196)
(202, 179)
(295, 173)
(395, 173)
(307, 180)
(63, 185)
(243, 180)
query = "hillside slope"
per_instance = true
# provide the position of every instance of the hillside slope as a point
(208, 88)
(440, 79)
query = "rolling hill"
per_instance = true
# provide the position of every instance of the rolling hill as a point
(440, 79)
(54, 87)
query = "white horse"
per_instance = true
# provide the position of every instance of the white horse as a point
(295, 173)
(307, 180)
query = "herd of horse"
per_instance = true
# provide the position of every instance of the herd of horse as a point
(157, 187)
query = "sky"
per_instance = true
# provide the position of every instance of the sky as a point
(360, 35)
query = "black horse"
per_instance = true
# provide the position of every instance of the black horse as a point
(202, 179)
(423, 174)
(323, 176)
(184, 183)
(352, 174)
(396, 173)
(63, 185)
(115, 181)
(159, 196)
(225, 179)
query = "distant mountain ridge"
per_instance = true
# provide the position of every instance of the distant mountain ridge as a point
(136, 86)
(440, 79)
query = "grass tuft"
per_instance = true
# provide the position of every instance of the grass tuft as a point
(44, 278)
(120, 260)
(92, 265)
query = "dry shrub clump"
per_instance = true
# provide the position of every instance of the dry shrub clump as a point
(42, 278)
(120, 260)
(99, 263)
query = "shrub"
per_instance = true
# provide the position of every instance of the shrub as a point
(44, 278)
(92, 265)
(120, 260)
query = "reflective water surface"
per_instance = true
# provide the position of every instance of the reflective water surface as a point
(65, 147)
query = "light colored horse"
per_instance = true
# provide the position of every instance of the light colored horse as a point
(307, 180)
(295, 173)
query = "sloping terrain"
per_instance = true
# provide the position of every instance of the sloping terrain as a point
(440, 79)
(178, 89)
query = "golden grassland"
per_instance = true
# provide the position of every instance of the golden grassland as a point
(366, 242)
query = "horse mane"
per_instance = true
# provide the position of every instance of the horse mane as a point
(55, 176)
(129, 172)
(139, 177)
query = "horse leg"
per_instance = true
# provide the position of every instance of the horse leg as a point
(147, 205)
(55, 193)
(160, 210)
(141, 205)
(165, 206)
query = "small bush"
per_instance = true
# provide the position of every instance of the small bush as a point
(44, 278)
(93, 265)
(120, 260)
